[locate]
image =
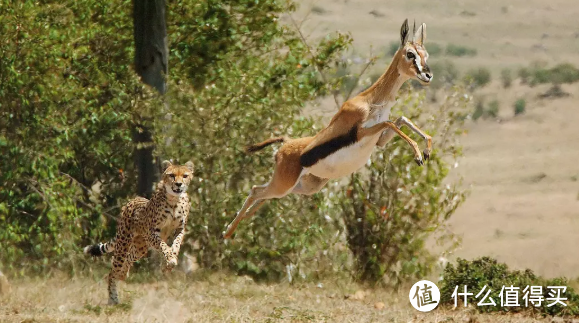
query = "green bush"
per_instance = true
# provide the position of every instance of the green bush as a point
(393, 48)
(538, 73)
(478, 77)
(390, 209)
(520, 106)
(488, 272)
(445, 73)
(524, 75)
(479, 110)
(457, 50)
(434, 49)
(506, 78)
(70, 103)
(493, 109)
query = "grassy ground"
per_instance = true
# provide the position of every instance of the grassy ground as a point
(218, 298)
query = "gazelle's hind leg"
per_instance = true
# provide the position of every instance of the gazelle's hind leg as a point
(285, 176)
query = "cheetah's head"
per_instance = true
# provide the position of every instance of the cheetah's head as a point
(176, 178)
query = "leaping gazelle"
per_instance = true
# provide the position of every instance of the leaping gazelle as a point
(305, 165)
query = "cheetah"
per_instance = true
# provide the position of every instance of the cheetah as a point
(148, 224)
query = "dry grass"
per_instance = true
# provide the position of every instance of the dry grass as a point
(218, 298)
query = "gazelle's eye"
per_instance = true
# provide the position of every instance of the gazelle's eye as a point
(410, 55)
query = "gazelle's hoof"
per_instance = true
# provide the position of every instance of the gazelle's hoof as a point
(419, 161)
(426, 154)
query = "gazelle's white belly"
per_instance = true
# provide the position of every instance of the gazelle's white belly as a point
(346, 160)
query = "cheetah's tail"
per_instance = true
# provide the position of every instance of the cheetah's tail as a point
(100, 248)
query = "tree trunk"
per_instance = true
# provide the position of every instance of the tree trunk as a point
(147, 172)
(150, 34)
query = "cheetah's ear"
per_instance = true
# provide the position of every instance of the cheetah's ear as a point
(189, 165)
(165, 164)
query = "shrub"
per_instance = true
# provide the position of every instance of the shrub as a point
(479, 110)
(538, 73)
(506, 78)
(393, 48)
(434, 49)
(493, 109)
(390, 209)
(488, 272)
(478, 77)
(445, 73)
(520, 106)
(524, 75)
(68, 171)
(457, 50)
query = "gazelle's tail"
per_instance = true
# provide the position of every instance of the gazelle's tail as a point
(100, 248)
(261, 145)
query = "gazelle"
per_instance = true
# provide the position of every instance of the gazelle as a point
(305, 165)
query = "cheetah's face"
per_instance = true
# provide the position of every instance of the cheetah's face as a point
(176, 178)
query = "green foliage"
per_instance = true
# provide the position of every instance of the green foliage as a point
(524, 74)
(506, 78)
(445, 73)
(434, 49)
(479, 110)
(478, 77)
(493, 109)
(488, 272)
(70, 104)
(520, 106)
(390, 209)
(393, 48)
(458, 50)
(60, 88)
(538, 73)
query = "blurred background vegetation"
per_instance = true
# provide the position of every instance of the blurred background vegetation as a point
(71, 104)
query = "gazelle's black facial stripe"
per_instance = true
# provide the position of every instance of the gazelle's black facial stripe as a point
(416, 61)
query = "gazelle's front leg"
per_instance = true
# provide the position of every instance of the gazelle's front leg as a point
(403, 121)
(389, 125)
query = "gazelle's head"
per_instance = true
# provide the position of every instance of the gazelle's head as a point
(413, 55)
(176, 178)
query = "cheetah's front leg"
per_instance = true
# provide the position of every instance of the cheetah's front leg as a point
(154, 240)
(180, 234)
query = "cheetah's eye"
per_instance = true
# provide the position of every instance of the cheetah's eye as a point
(172, 176)
(185, 176)
(410, 55)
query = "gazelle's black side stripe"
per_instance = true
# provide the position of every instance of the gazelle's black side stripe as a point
(329, 147)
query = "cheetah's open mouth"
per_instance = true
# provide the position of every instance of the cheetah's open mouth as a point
(178, 190)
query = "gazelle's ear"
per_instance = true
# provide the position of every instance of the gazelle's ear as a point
(165, 164)
(404, 33)
(420, 35)
(189, 165)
